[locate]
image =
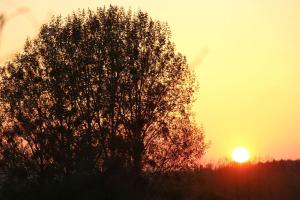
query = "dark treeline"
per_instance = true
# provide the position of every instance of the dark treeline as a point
(96, 94)
(274, 180)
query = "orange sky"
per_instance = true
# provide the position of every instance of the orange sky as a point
(245, 53)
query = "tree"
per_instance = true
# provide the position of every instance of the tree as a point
(98, 91)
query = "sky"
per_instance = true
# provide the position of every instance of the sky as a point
(245, 54)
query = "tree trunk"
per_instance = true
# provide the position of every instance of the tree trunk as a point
(137, 156)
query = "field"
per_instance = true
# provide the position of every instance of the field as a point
(276, 180)
(271, 180)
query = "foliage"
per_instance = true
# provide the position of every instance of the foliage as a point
(98, 92)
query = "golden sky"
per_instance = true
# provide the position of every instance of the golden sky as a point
(246, 54)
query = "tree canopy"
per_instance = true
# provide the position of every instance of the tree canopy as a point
(98, 91)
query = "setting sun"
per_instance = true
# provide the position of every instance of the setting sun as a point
(240, 155)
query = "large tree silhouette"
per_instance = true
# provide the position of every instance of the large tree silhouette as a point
(98, 91)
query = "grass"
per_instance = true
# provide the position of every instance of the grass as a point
(276, 180)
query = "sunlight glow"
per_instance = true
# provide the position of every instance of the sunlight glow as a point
(240, 155)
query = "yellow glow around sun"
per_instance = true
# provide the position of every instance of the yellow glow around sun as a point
(240, 155)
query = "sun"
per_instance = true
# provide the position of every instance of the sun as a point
(240, 155)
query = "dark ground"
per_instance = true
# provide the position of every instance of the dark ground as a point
(276, 180)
